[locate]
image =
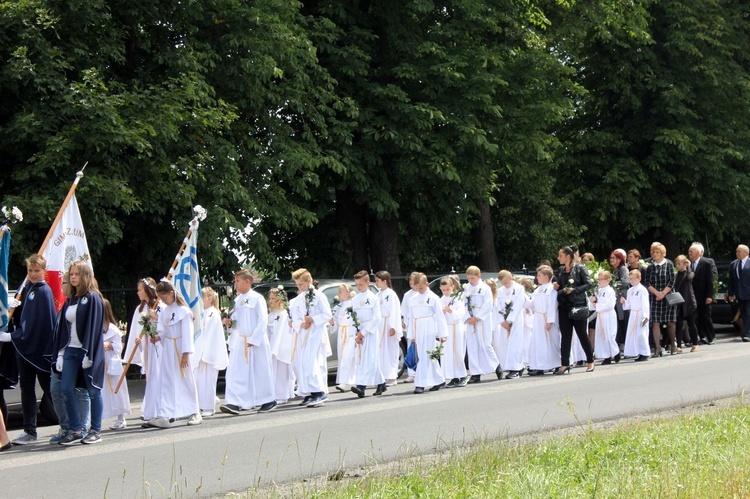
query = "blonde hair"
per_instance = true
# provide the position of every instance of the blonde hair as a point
(361, 275)
(504, 274)
(213, 298)
(86, 280)
(302, 274)
(347, 287)
(680, 259)
(662, 249)
(493, 287)
(545, 270)
(275, 302)
(635, 273)
(605, 274)
(473, 270)
(420, 278)
(244, 274)
(36, 260)
(527, 284)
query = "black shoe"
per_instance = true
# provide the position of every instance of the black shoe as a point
(642, 358)
(617, 358)
(536, 372)
(710, 342)
(475, 379)
(499, 372)
(268, 406)
(606, 362)
(580, 363)
(560, 372)
(463, 381)
(317, 400)
(419, 389)
(380, 389)
(359, 390)
(656, 354)
(230, 409)
(745, 339)
(513, 375)
(453, 382)
(703, 341)
(306, 400)
(6, 446)
(437, 387)
(72, 438)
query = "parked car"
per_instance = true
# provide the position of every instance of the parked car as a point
(330, 288)
(723, 312)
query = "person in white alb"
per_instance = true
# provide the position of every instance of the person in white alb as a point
(544, 350)
(454, 369)
(210, 352)
(115, 405)
(390, 334)
(511, 299)
(605, 343)
(478, 300)
(428, 332)
(281, 338)
(346, 373)
(366, 320)
(636, 338)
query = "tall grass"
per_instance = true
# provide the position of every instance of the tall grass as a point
(699, 454)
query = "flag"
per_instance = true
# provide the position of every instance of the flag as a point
(187, 281)
(4, 256)
(67, 245)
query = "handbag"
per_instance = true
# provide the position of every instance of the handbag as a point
(578, 313)
(674, 298)
(412, 359)
(114, 367)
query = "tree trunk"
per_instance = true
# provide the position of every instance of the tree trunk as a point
(384, 245)
(484, 238)
(353, 219)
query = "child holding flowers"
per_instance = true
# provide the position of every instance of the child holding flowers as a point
(428, 332)
(603, 302)
(511, 300)
(454, 369)
(479, 326)
(281, 337)
(347, 369)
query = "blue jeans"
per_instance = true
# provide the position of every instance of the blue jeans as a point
(84, 404)
(72, 369)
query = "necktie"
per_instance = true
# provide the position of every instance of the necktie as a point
(695, 264)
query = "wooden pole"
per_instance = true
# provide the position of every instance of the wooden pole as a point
(169, 276)
(71, 191)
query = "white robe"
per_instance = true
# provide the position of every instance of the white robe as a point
(405, 316)
(511, 341)
(150, 358)
(636, 340)
(249, 378)
(428, 327)
(210, 357)
(454, 349)
(389, 346)
(605, 346)
(528, 324)
(281, 339)
(478, 302)
(114, 404)
(544, 351)
(367, 307)
(346, 373)
(310, 349)
(178, 393)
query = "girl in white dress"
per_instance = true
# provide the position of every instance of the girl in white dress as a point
(210, 353)
(346, 373)
(454, 368)
(511, 298)
(497, 346)
(605, 345)
(636, 339)
(114, 404)
(544, 352)
(281, 339)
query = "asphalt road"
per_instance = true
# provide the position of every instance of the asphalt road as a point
(230, 453)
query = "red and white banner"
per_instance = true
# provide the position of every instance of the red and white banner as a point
(67, 245)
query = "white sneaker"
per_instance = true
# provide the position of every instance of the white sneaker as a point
(195, 419)
(282, 401)
(24, 439)
(390, 382)
(207, 413)
(119, 425)
(158, 423)
(410, 379)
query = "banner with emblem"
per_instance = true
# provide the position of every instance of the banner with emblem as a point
(186, 276)
(67, 245)
(4, 257)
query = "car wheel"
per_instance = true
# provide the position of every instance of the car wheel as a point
(401, 355)
(47, 410)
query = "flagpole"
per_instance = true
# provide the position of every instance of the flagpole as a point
(66, 201)
(193, 222)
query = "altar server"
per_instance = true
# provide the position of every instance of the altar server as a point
(636, 339)
(544, 350)
(454, 349)
(390, 334)
(281, 337)
(346, 373)
(479, 326)
(366, 321)
(603, 302)
(210, 353)
(511, 298)
(428, 332)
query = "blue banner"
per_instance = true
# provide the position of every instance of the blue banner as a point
(4, 257)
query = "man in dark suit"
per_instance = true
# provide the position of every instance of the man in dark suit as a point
(703, 287)
(739, 287)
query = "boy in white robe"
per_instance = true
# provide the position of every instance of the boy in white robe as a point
(366, 319)
(544, 351)
(346, 372)
(310, 313)
(478, 301)
(281, 337)
(249, 376)
(636, 340)
(454, 369)
(511, 298)
(390, 334)
(210, 353)
(605, 345)
(178, 393)
(428, 332)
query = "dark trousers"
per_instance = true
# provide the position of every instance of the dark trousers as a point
(28, 376)
(692, 329)
(566, 332)
(745, 314)
(704, 323)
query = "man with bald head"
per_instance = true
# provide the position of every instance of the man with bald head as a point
(739, 287)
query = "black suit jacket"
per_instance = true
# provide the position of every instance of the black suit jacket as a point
(703, 280)
(739, 286)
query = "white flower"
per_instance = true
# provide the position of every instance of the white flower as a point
(13, 215)
(200, 212)
(280, 287)
(571, 281)
(507, 302)
(336, 298)
(464, 286)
